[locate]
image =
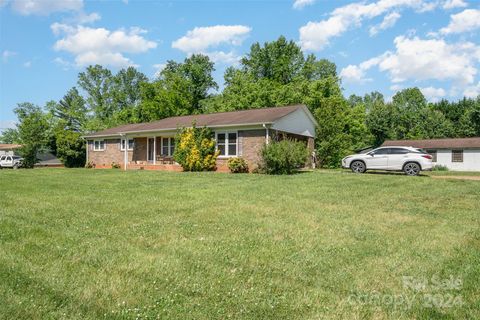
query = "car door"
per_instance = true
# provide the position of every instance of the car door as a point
(378, 159)
(8, 161)
(397, 157)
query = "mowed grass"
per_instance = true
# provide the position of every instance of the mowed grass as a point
(91, 244)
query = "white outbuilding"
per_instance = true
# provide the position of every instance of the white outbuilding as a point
(458, 154)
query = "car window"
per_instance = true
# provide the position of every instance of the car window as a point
(9, 159)
(3, 158)
(399, 151)
(382, 151)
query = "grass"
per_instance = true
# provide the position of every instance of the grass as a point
(92, 244)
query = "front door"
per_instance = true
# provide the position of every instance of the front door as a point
(151, 142)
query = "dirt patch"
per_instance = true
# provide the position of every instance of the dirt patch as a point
(458, 177)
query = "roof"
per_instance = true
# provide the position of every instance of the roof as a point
(232, 118)
(9, 146)
(436, 143)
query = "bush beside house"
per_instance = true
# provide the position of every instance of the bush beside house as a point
(283, 157)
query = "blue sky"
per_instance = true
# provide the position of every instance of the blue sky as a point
(382, 45)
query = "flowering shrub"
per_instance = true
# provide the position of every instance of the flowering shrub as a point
(237, 165)
(195, 149)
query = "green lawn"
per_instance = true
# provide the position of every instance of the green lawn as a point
(90, 244)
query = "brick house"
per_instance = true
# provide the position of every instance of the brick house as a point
(237, 134)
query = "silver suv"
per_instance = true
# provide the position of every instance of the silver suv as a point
(9, 161)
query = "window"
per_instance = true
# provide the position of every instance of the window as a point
(381, 151)
(168, 146)
(98, 145)
(433, 153)
(457, 155)
(131, 144)
(399, 151)
(227, 143)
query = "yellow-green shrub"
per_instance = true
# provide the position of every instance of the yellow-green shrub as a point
(195, 149)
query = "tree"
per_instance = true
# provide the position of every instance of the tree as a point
(280, 60)
(32, 127)
(126, 94)
(71, 111)
(10, 136)
(97, 82)
(179, 89)
(71, 149)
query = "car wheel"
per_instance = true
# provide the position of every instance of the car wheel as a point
(15, 167)
(358, 167)
(411, 169)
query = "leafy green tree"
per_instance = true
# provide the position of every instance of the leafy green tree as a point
(32, 127)
(126, 94)
(280, 60)
(97, 83)
(179, 89)
(71, 148)
(10, 135)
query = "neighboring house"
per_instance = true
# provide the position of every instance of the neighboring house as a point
(45, 159)
(8, 148)
(48, 159)
(460, 154)
(237, 134)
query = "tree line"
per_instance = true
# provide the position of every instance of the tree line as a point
(275, 73)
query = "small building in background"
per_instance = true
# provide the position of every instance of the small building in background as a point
(9, 148)
(457, 154)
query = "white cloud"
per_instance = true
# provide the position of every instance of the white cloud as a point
(99, 45)
(396, 87)
(300, 4)
(6, 54)
(357, 74)
(316, 35)
(452, 4)
(84, 18)
(388, 21)
(224, 57)
(62, 63)
(421, 60)
(472, 91)
(464, 21)
(201, 38)
(45, 7)
(433, 94)
(27, 64)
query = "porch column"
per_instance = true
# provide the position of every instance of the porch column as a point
(125, 153)
(155, 150)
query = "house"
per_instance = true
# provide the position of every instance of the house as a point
(460, 154)
(237, 134)
(8, 148)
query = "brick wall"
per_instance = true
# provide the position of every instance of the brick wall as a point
(250, 144)
(112, 153)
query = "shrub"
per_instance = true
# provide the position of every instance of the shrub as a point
(283, 157)
(440, 167)
(237, 165)
(115, 165)
(195, 149)
(70, 148)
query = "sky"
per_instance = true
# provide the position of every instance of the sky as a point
(377, 45)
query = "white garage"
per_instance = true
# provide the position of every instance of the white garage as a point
(459, 154)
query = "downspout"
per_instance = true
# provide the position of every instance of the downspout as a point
(125, 151)
(267, 133)
(87, 151)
